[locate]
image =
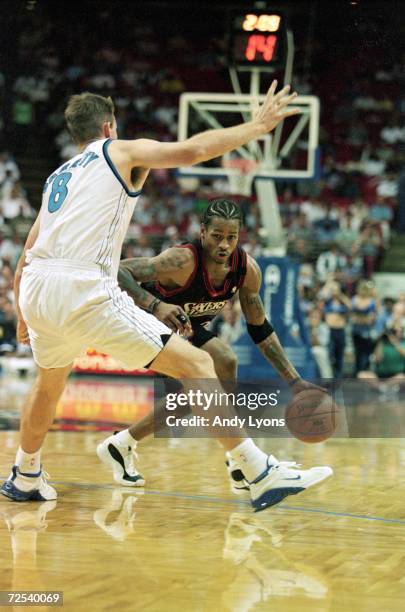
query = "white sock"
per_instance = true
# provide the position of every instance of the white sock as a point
(28, 463)
(250, 459)
(124, 438)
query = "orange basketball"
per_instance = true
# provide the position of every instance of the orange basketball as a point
(312, 416)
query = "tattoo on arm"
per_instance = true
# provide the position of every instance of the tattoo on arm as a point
(255, 314)
(165, 265)
(126, 281)
(252, 307)
(275, 354)
(141, 269)
(249, 294)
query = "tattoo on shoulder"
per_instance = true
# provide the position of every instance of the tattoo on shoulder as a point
(176, 259)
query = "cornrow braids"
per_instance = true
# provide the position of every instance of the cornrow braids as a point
(223, 208)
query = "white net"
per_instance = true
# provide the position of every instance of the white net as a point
(241, 179)
(241, 184)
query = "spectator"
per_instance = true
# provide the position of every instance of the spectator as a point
(15, 205)
(380, 211)
(9, 173)
(306, 276)
(253, 246)
(371, 164)
(143, 248)
(384, 315)
(8, 343)
(299, 250)
(351, 273)
(393, 132)
(320, 337)
(10, 249)
(330, 261)
(336, 309)
(23, 120)
(364, 315)
(358, 133)
(389, 358)
(360, 211)
(299, 229)
(397, 317)
(401, 202)
(172, 238)
(387, 186)
(314, 211)
(347, 235)
(369, 245)
(326, 228)
(307, 299)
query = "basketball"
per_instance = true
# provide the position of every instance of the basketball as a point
(312, 416)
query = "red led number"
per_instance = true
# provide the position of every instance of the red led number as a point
(262, 45)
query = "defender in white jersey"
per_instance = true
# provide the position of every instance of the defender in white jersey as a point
(68, 298)
(77, 253)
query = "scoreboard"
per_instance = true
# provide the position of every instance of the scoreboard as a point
(257, 39)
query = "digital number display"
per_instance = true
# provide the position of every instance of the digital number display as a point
(262, 23)
(260, 47)
(257, 39)
(255, 49)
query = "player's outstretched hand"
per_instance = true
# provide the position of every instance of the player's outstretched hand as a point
(22, 332)
(174, 317)
(275, 107)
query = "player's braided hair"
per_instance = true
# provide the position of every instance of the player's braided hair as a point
(223, 208)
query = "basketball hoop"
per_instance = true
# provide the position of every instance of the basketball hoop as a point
(241, 179)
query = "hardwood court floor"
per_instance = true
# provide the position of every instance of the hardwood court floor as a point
(188, 544)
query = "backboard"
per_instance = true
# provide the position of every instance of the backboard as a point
(288, 153)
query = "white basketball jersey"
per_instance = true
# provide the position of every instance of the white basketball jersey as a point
(86, 210)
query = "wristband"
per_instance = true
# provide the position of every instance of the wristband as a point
(153, 304)
(258, 333)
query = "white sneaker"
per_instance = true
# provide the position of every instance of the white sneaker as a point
(121, 459)
(28, 487)
(282, 478)
(238, 482)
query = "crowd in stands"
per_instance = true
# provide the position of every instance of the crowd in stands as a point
(337, 227)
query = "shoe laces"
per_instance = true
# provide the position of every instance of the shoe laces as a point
(130, 462)
(44, 476)
(284, 467)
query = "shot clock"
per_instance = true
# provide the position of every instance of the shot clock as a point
(257, 39)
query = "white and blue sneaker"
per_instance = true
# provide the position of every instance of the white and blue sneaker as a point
(238, 482)
(282, 478)
(23, 487)
(121, 459)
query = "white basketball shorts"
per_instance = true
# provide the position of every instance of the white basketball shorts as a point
(70, 306)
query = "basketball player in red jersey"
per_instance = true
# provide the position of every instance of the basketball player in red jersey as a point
(186, 287)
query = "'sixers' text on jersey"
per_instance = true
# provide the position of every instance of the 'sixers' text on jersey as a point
(198, 298)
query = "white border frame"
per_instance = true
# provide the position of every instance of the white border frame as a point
(203, 103)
